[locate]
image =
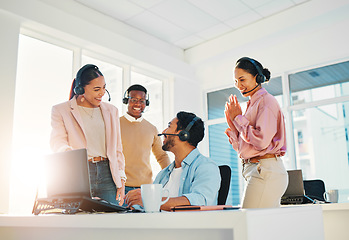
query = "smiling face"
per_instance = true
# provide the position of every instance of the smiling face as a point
(245, 81)
(136, 103)
(94, 92)
(169, 140)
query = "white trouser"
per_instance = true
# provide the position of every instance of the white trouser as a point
(266, 183)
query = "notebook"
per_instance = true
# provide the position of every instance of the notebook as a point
(68, 185)
(203, 208)
(294, 193)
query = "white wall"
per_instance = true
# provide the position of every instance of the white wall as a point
(311, 34)
(9, 29)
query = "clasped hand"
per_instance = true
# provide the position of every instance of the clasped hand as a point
(232, 109)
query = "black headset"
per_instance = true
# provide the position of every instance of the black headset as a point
(125, 98)
(184, 135)
(78, 89)
(260, 78)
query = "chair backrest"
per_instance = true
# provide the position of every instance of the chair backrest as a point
(314, 189)
(225, 184)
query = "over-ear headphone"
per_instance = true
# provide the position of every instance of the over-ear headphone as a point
(184, 135)
(260, 78)
(125, 98)
(78, 89)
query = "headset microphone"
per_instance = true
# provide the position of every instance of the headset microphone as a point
(165, 134)
(108, 95)
(250, 90)
(183, 135)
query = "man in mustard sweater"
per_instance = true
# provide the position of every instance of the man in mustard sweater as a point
(139, 137)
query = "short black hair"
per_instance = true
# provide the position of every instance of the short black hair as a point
(197, 131)
(136, 87)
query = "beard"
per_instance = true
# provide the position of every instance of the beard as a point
(169, 144)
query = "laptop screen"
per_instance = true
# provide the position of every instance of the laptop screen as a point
(67, 174)
(295, 183)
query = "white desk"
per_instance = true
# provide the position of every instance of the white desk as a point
(282, 223)
(335, 218)
(336, 221)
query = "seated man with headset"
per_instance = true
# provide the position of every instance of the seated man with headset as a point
(192, 179)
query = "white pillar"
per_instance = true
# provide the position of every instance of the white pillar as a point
(9, 30)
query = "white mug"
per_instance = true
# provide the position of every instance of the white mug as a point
(331, 196)
(152, 197)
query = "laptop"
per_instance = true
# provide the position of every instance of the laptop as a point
(294, 193)
(68, 186)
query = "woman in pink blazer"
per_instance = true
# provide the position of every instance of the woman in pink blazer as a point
(86, 122)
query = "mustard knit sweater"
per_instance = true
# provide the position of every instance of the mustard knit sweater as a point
(138, 139)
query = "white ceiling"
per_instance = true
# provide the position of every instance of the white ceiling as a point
(187, 23)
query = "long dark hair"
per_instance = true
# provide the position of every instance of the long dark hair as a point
(83, 77)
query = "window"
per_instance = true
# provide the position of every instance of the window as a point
(320, 102)
(323, 151)
(223, 154)
(216, 101)
(274, 87)
(300, 137)
(42, 81)
(113, 79)
(320, 83)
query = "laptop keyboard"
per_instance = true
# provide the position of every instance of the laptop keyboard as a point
(292, 200)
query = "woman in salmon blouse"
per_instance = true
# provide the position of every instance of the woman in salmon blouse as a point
(258, 136)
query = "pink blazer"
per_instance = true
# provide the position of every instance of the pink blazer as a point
(68, 133)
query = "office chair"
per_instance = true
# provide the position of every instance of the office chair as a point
(314, 189)
(225, 184)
